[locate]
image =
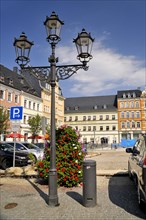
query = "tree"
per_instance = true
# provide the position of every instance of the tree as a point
(4, 120)
(35, 125)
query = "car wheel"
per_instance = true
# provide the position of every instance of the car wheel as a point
(140, 201)
(5, 164)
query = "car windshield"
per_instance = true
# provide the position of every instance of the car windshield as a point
(30, 146)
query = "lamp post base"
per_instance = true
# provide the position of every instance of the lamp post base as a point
(53, 197)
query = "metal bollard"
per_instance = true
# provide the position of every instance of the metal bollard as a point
(89, 183)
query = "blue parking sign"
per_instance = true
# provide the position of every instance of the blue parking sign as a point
(16, 113)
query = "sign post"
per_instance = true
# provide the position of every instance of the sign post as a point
(16, 114)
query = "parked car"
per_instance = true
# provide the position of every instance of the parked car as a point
(29, 148)
(6, 156)
(41, 145)
(137, 168)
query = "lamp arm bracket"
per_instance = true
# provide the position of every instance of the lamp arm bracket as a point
(66, 71)
(63, 72)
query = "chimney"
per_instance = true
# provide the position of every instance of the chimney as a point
(15, 69)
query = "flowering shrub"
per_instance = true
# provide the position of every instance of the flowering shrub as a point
(69, 158)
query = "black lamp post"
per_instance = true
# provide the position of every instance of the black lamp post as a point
(51, 74)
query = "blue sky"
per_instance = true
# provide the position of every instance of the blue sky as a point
(119, 50)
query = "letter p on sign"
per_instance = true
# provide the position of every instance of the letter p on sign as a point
(16, 113)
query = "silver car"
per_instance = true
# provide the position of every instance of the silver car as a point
(137, 168)
(29, 148)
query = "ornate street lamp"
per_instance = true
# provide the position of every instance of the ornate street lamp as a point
(22, 48)
(51, 74)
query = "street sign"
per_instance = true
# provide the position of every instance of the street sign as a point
(16, 113)
(15, 126)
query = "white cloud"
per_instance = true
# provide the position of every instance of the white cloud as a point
(108, 72)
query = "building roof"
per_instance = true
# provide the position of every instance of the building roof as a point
(129, 93)
(92, 103)
(17, 81)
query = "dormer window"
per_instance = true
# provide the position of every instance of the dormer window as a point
(1, 78)
(129, 95)
(22, 81)
(104, 106)
(124, 95)
(76, 108)
(10, 82)
(67, 108)
(134, 95)
(47, 86)
(95, 106)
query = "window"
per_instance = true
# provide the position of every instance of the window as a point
(89, 118)
(107, 117)
(132, 104)
(132, 114)
(127, 104)
(94, 128)
(9, 96)
(29, 104)
(76, 118)
(11, 82)
(38, 107)
(25, 103)
(137, 114)
(123, 124)
(128, 124)
(67, 108)
(94, 117)
(133, 124)
(89, 128)
(70, 118)
(100, 117)
(1, 78)
(104, 106)
(84, 118)
(16, 98)
(127, 114)
(129, 95)
(134, 95)
(76, 127)
(24, 119)
(138, 124)
(124, 95)
(76, 108)
(113, 127)
(107, 128)
(122, 114)
(47, 86)
(113, 117)
(121, 104)
(95, 107)
(101, 128)
(137, 104)
(145, 104)
(34, 106)
(84, 128)
(64, 118)
(1, 94)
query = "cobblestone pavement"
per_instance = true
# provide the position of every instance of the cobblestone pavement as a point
(24, 199)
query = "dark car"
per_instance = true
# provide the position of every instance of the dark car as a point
(6, 157)
(137, 168)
